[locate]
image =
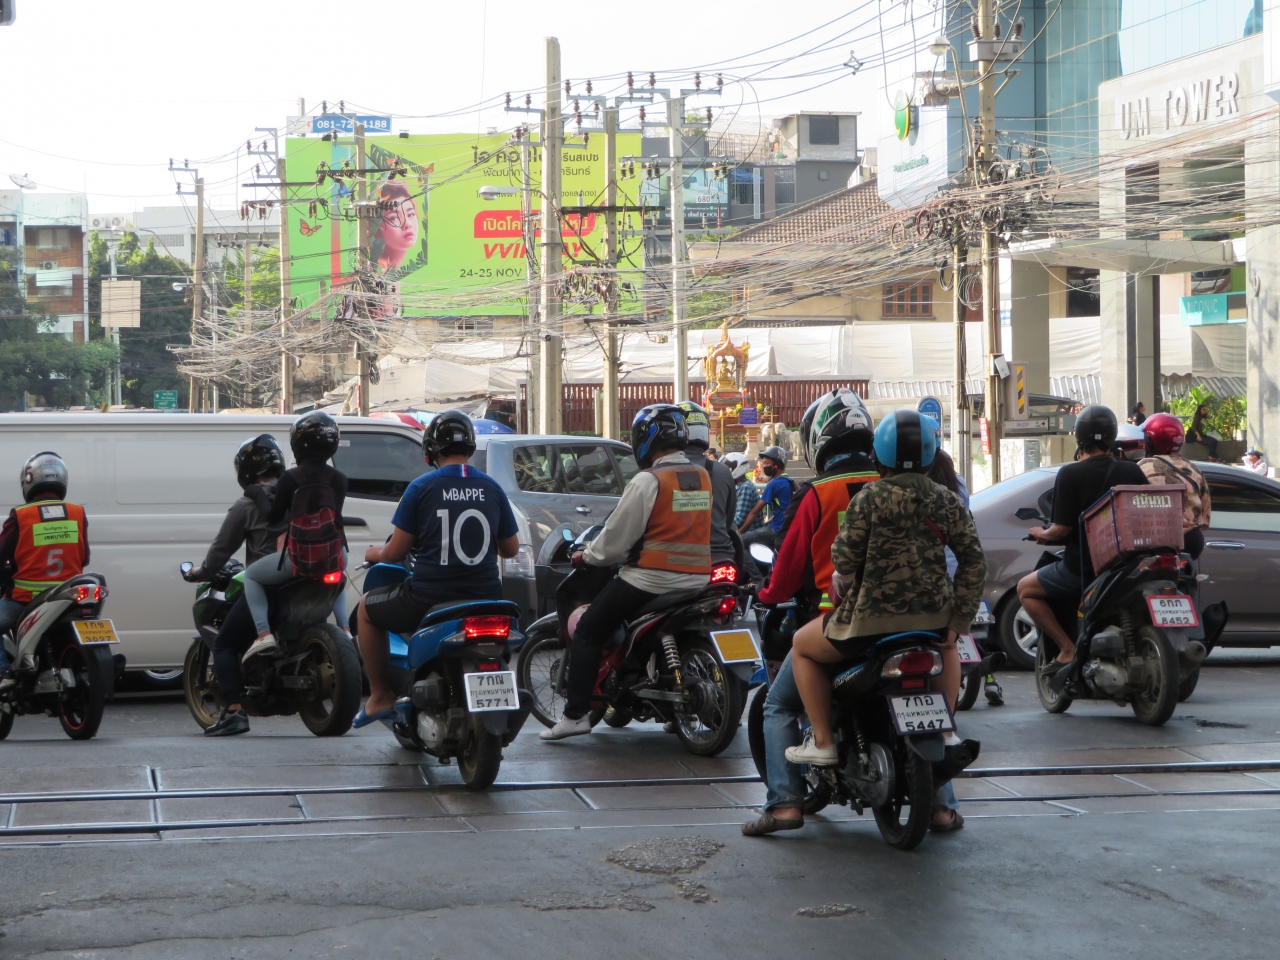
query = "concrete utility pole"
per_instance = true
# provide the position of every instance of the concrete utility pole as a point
(528, 236)
(362, 263)
(986, 156)
(961, 438)
(680, 334)
(286, 361)
(197, 304)
(609, 387)
(550, 402)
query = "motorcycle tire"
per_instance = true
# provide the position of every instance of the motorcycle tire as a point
(541, 658)
(6, 724)
(1052, 702)
(1187, 685)
(1155, 702)
(755, 731)
(1015, 632)
(479, 761)
(200, 686)
(80, 708)
(617, 717)
(914, 789)
(331, 657)
(970, 687)
(709, 731)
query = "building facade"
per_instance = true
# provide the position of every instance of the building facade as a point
(44, 237)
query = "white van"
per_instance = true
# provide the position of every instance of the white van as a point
(157, 486)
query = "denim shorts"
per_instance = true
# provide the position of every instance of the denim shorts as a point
(1059, 582)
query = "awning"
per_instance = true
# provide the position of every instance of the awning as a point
(1132, 256)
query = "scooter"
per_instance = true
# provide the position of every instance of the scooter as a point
(457, 696)
(976, 664)
(317, 673)
(62, 660)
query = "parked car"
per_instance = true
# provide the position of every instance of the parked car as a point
(1242, 555)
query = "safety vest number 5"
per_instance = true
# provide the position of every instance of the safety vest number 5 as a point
(463, 517)
(53, 562)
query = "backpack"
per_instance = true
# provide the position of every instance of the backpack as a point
(314, 539)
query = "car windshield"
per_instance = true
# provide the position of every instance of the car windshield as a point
(1024, 483)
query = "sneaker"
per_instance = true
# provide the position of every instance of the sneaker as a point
(567, 728)
(813, 755)
(7, 680)
(995, 695)
(229, 724)
(263, 645)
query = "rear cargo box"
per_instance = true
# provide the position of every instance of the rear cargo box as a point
(1131, 520)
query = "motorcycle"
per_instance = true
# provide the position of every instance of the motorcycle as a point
(976, 664)
(457, 696)
(678, 661)
(317, 673)
(62, 659)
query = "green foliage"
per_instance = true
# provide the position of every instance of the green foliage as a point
(1225, 416)
(266, 279)
(1185, 406)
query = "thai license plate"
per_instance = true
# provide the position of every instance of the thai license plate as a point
(1172, 610)
(921, 713)
(491, 691)
(94, 631)
(736, 646)
(969, 652)
(984, 613)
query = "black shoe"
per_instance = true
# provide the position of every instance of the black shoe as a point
(229, 724)
(7, 680)
(995, 695)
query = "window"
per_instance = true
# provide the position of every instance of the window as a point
(379, 466)
(588, 469)
(1083, 293)
(535, 471)
(1242, 506)
(627, 465)
(53, 238)
(744, 192)
(908, 300)
(824, 131)
(784, 185)
(471, 325)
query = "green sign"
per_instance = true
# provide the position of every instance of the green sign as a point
(165, 400)
(448, 251)
(902, 115)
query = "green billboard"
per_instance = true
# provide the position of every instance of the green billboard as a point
(449, 251)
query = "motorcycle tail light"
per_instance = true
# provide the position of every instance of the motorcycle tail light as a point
(724, 573)
(727, 606)
(1161, 561)
(86, 594)
(488, 666)
(334, 577)
(485, 628)
(913, 663)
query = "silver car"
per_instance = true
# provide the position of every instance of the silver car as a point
(1241, 557)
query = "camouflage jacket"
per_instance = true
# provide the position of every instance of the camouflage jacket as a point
(898, 563)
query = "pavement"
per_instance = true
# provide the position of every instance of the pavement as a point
(352, 846)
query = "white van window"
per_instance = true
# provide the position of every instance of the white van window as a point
(379, 466)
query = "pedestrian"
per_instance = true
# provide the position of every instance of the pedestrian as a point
(748, 495)
(775, 497)
(1254, 462)
(1138, 413)
(1197, 435)
(713, 454)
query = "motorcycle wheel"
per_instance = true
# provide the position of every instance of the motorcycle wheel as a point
(1154, 702)
(710, 730)
(1019, 636)
(200, 687)
(1187, 685)
(1052, 702)
(539, 667)
(755, 731)
(331, 660)
(916, 791)
(970, 687)
(80, 708)
(478, 763)
(617, 717)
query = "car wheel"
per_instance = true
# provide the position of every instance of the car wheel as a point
(1019, 636)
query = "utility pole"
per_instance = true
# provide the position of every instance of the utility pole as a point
(528, 236)
(611, 428)
(550, 401)
(961, 437)
(113, 388)
(197, 305)
(362, 265)
(286, 361)
(680, 334)
(986, 156)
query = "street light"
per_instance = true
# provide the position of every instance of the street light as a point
(939, 46)
(492, 192)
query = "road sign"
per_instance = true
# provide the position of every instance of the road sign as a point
(329, 123)
(931, 407)
(165, 400)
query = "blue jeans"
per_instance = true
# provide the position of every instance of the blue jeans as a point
(10, 613)
(783, 715)
(270, 572)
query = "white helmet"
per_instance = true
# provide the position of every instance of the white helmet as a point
(737, 462)
(46, 474)
(1131, 441)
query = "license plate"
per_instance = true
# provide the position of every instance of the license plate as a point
(968, 649)
(1172, 610)
(94, 631)
(984, 613)
(921, 713)
(736, 646)
(491, 691)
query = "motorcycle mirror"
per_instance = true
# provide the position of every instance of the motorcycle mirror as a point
(762, 553)
(1027, 513)
(186, 567)
(567, 534)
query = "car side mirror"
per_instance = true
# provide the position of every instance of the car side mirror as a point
(1027, 513)
(761, 552)
(186, 567)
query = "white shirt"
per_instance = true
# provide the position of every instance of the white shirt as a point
(625, 528)
(1259, 467)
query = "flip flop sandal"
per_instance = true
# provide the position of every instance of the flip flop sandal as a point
(767, 823)
(947, 826)
(384, 716)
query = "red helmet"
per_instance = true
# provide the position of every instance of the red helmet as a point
(1164, 433)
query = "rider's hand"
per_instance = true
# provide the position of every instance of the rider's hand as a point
(195, 576)
(578, 559)
(948, 640)
(373, 554)
(1037, 534)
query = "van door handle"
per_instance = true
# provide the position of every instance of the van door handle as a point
(354, 522)
(582, 509)
(1225, 545)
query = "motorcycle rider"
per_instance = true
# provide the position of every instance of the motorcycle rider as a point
(259, 460)
(660, 531)
(1164, 463)
(455, 522)
(747, 494)
(723, 494)
(42, 543)
(1078, 486)
(776, 496)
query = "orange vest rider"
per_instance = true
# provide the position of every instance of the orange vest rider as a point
(834, 494)
(52, 545)
(677, 537)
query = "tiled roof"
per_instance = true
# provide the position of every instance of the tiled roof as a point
(845, 216)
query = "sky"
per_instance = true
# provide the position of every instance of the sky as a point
(99, 96)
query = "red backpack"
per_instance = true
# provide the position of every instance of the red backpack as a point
(314, 539)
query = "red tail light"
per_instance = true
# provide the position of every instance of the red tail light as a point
(335, 577)
(1161, 561)
(913, 663)
(489, 666)
(85, 594)
(727, 606)
(486, 628)
(724, 573)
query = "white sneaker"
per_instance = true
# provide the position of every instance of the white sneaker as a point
(567, 728)
(669, 727)
(263, 645)
(813, 755)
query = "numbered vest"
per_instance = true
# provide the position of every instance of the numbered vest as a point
(834, 494)
(678, 536)
(51, 545)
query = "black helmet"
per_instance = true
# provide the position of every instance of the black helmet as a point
(448, 434)
(314, 436)
(659, 426)
(776, 454)
(836, 423)
(258, 456)
(1096, 426)
(699, 425)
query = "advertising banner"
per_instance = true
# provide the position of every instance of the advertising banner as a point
(446, 250)
(704, 195)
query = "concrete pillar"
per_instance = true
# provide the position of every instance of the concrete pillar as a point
(1130, 341)
(1029, 322)
(1262, 283)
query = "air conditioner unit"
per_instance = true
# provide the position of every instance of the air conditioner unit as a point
(98, 223)
(117, 223)
(48, 265)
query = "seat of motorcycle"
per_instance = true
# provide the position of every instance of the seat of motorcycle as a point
(666, 600)
(457, 609)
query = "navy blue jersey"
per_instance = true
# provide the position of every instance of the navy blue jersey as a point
(457, 515)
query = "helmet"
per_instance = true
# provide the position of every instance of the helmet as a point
(314, 436)
(737, 462)
(905, 440)
(836, 422)
(656, 427)
(699, 425)
(776, 454)
(44, 476)
(1131, 442)
(257, 457)
(1164, 433)
(449, 433)
(1096, 425)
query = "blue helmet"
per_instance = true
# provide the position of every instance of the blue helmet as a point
(906, 440)
(659, 426)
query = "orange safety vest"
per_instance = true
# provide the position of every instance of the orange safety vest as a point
(51, 546)
(834, 494)
(678, 536)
